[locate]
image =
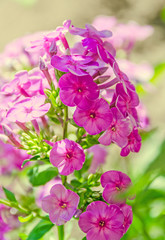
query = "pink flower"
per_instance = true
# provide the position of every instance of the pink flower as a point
(95, 119)
(4, 227)
(126, 102)
(45, 40)
(90, 32)
(18, 85)
(75, 64)
(11, 158)
(114, 183)
(128, 216)
(118, 130)
(102, 222)
(77, 90)
(8, 221)
(67, 156)
(28, 109)
(61, 204)
(134, 143)
(44, 190)
(143, 117)
(99, 156)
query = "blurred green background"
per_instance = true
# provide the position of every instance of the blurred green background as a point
(147, 168)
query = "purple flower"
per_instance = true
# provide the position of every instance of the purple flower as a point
(118, 130)
(128, 216)
(134, 143)
(90, 32)
(95, 119)
(77, 90)
(75, 64)
(99, 156)
(45, 40)
(114, 183)
(102, 222)
(127, 101)
(67, 156)
(61, 204)
(28, 109)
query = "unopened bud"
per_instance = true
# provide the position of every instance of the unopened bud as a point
(53, 48)
(101, 79)
(89, 200)
(77, 213)
(42, 64)
(96, 194)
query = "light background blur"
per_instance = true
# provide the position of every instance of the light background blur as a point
(20, 17)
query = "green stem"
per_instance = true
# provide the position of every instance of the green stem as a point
(60, 232)
(20, 208)
(65, 124)
(63, 178)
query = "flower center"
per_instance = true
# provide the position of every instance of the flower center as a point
(79, 90)
(69, 155)
(102, 223)
(92, 115)
(63, 205)
(118, 188)
(113, 128)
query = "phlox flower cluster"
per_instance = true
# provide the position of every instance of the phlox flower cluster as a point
(88, 79)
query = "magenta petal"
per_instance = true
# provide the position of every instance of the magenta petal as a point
(49, 203)
(110, 194)
(59, 63)
(125, 151)
(86, 221)
(67, 97)
(95, 233)
(58, 191)
(80, 117)
(99, 208)
(105, 138)
(119, 140)
(55, 218)
(128, 216)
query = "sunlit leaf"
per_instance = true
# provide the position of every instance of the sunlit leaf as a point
(10, 196)
(38, 177)
(159, 71)
(40, 229)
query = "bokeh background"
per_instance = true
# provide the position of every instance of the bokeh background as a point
(147, 168)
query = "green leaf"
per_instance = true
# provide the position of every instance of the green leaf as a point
(159, 72)
(40, 229)
(162, 14)
(23, 236)
(25, 219)
(58, 74)
(38, 177)
(72, 122)
(84, 238)
(75, 183)
(10, 196)
(35, 158)
(158, 164)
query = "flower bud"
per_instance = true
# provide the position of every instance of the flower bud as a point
(53, 48)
